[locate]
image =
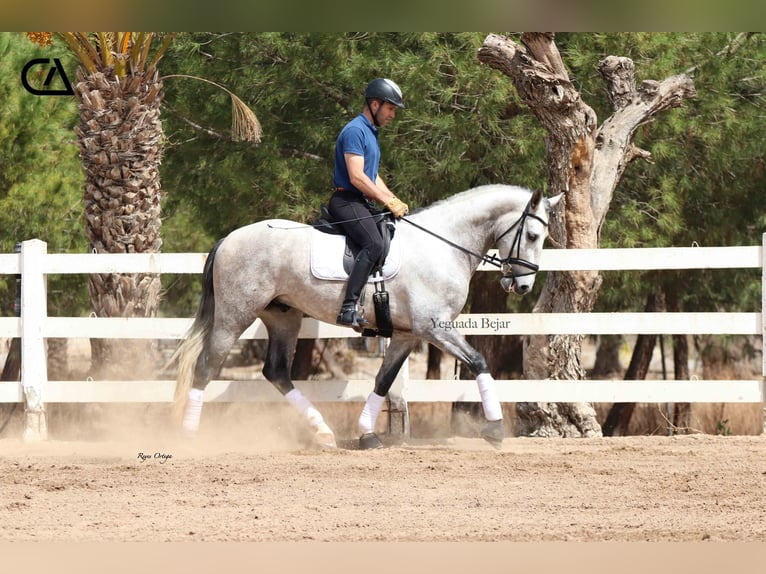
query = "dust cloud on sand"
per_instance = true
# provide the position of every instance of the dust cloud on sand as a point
(253, 476)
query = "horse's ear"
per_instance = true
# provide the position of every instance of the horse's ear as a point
(553, 201)
(537, 195)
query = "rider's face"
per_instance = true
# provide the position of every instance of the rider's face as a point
(386, 113)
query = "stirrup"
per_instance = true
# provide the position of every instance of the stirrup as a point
(350, 318)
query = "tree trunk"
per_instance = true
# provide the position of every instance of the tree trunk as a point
(607, 362)
(619, 416)
(303, 363)
(681, 411)
(120, 137)
(586, 163)
(335, 356)
(434, 365)
(12, 365)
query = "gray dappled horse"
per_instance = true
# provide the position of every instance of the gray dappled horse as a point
(262, 271)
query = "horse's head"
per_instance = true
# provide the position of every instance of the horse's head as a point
(522, 244)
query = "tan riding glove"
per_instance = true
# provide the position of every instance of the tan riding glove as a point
(397, 207)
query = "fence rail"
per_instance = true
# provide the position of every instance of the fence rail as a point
(34, 325)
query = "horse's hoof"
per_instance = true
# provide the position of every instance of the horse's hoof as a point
(325, 441)
(369, 441)
(493, 432)
(324, 437)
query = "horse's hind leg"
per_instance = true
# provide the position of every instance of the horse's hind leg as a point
(283, 325)
(398, 351)
(208, 365)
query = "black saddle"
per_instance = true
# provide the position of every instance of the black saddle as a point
(386, 226)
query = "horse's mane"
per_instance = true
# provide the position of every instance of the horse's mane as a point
(470, 195)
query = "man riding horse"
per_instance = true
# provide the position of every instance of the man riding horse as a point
(358, 185)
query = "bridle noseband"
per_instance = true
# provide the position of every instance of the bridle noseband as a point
(505, 264)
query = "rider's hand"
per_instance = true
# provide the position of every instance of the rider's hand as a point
(397, 207)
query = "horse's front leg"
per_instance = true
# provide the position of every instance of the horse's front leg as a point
(455, 344)
(398, 351)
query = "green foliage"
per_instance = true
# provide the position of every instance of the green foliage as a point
(705, 183)
(463, 125)
(40, 173)
(722, 428)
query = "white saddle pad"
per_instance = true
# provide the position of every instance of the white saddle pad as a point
(327, 258)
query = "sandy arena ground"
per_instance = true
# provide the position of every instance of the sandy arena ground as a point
(248, 486)
(113, 473)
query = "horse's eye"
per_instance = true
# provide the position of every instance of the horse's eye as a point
(532, 237)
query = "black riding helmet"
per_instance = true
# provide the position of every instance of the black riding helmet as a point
(385, 90)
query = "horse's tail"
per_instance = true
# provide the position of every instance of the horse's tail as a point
(197, 339)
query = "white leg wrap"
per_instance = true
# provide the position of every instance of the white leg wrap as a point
(489, 400)
(370, 413)
(305, 408)
(193, 412)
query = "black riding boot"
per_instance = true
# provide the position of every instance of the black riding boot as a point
(357, 279)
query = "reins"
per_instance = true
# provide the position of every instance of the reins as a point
(487, 259)
(505, 263)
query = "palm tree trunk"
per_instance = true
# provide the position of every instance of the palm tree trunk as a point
(120, 140)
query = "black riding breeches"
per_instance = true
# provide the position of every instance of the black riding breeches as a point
(362, 229)
(351, 208)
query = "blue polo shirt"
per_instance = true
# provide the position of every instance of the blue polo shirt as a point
(359, 137)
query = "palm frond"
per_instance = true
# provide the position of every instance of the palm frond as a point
(144, 52)
(123, 41)
(124, 52)
(163, 48)
(81, 52)
(104, 47)
(244, 123)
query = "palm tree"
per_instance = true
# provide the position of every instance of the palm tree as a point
(120, 138)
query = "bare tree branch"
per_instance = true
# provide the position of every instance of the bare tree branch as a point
(614, 147)
(587, 163)
(199, 128)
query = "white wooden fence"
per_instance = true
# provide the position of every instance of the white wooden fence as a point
(34, 326)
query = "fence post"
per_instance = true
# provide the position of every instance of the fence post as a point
(763, 325)
(398, 411)
(34, 310)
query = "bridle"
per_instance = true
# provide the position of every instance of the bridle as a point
(506, 263)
